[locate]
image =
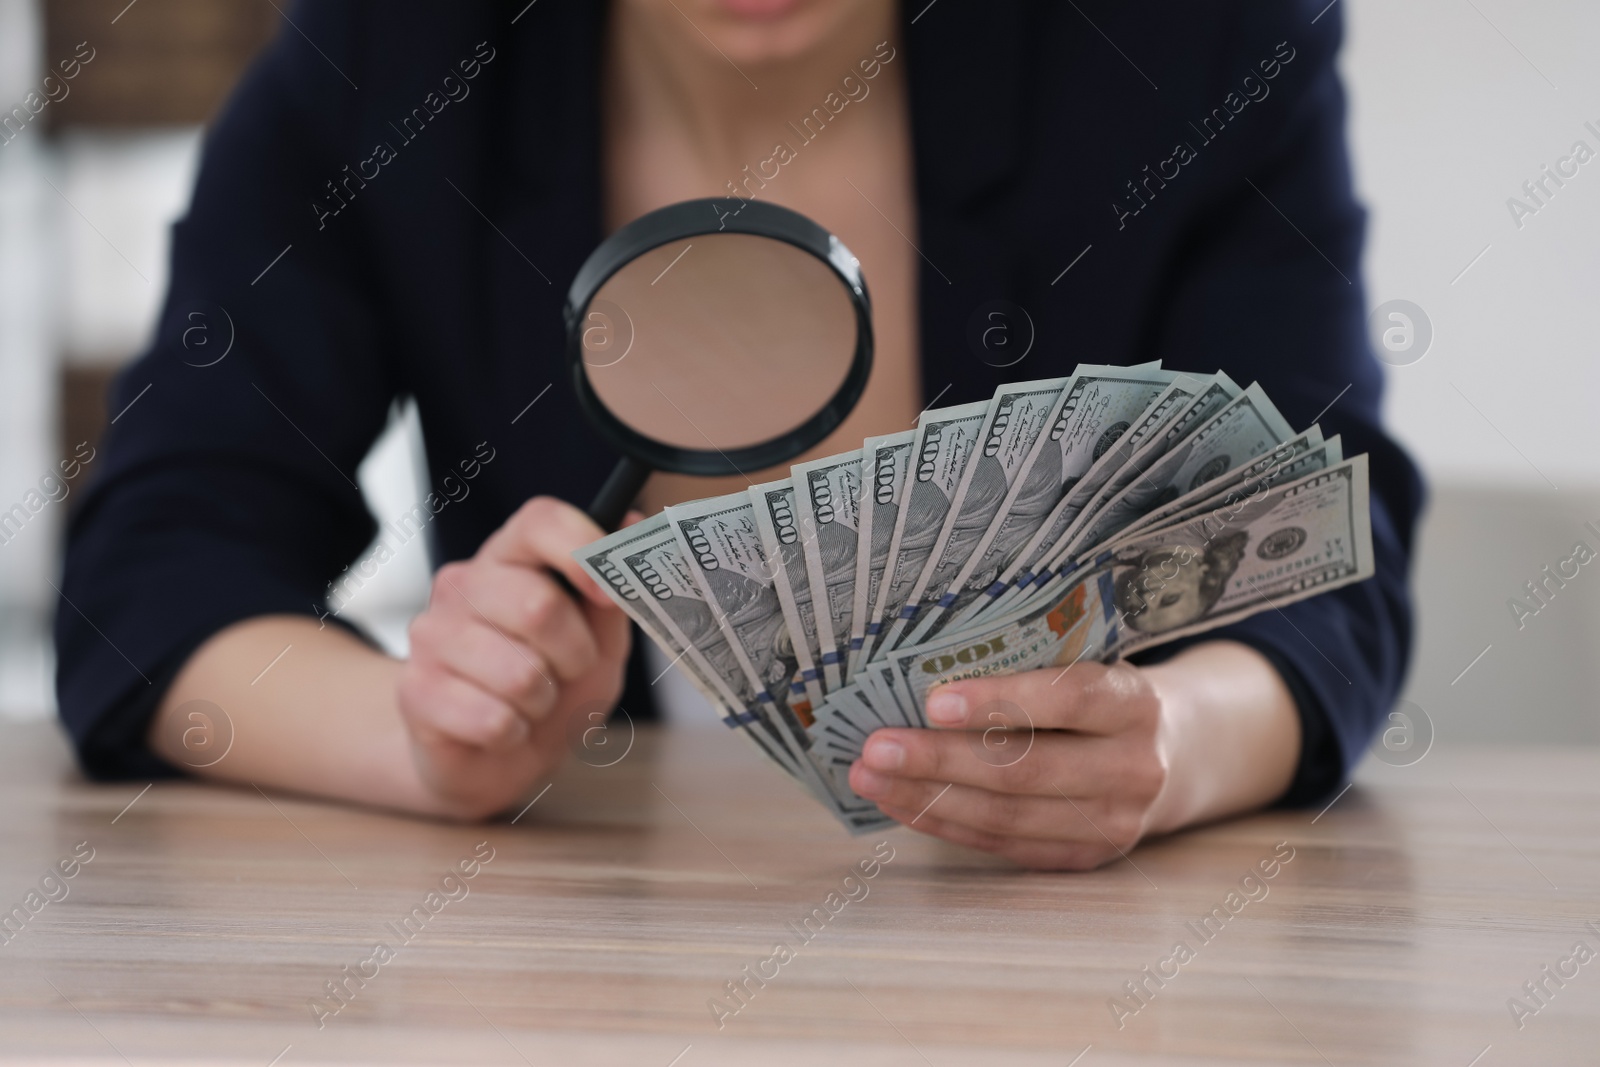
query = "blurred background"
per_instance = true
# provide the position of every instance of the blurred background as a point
(1455, 104)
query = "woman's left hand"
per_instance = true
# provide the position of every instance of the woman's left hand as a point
(1054, 770)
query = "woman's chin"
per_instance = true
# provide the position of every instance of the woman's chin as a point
(759, 10)
(755, 32)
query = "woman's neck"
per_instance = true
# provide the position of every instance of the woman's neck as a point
(664, 76)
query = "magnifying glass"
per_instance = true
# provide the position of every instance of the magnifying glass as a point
(710, 342)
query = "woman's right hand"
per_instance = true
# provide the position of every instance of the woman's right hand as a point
(506, 665)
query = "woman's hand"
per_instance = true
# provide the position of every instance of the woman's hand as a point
(506, 669)
(506, 665)
(1073, 791)
(1069, 770)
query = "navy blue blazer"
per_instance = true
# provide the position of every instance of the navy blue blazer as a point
(1183, 194)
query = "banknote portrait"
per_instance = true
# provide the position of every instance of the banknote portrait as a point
(1175, 585)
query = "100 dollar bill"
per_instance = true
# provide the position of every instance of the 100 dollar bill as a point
(1118, 443)
(723, 550)
(668, 608)
(1246, 426)
(828, 498)
(884, 462)
(1092, 410)
(939, 454)
(1016, 419)
(1297, 540)
(783, 538)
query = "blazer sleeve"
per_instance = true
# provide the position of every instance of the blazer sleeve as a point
(226, 486)
(1267, 286)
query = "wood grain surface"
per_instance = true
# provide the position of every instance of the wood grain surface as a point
(618, 906)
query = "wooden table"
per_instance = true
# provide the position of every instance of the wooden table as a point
(617, 907)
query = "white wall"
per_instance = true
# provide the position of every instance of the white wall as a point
(28, 278)
(1453, 108)
(1448, 121)
(119, 194)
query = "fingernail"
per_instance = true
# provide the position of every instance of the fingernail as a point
(869, 783)
(883, 754)
(947, 708)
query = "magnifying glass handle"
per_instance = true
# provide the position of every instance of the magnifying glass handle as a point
(618, 494)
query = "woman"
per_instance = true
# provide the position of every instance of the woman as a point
(393, 204)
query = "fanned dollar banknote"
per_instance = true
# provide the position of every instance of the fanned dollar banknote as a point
(783, 540)
(939, 454)
(885, 461)
(828, 496)
(1014, 424)
(1064, 519)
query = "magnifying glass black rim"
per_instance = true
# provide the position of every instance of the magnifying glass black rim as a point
(697, 218)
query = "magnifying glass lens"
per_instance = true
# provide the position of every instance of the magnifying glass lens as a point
(719, 342)
(708, 342)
